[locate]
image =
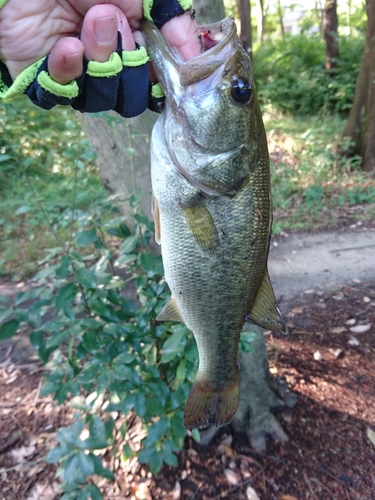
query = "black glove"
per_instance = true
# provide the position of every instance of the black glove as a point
(121, 84)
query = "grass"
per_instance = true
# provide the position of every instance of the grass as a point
(312, 187)
(49, 185)
(47, 178)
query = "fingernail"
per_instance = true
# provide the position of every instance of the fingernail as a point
(105, 30)
(72, 60)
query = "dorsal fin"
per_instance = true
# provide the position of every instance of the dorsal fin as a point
(265, 311)
(170, 312)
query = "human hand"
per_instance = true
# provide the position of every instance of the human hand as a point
(29, 31)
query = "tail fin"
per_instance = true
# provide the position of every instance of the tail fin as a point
(207, 407)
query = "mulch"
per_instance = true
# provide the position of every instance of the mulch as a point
(328, 360)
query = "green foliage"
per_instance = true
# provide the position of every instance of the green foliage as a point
(312, 185)
(104, 351)
(291, 76)
(46, 179)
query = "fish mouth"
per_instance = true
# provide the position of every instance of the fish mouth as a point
(173, 72)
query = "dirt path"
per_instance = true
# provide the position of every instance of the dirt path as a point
(304, 261)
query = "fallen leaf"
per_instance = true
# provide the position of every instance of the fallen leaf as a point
(176, 491)
(251, 494)
(350, 322)
(361, 328)
(367, 300)
(141, 492)
(353, 341)
(337, 329)
(20, 454)
(44, 492)
(297, 310)
(36, 469)
(317, 356)
(338, 353)
(371, 435)
(338, 296)
(231, 477)
(288, 497)
(228, 451)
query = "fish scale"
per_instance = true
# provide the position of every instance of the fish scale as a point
(212, 210)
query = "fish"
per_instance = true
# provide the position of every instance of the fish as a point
(212, 209)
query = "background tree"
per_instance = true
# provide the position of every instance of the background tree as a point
(280, 13)
(331, 36)
(261, 20)
(360, 127)
(244, 9)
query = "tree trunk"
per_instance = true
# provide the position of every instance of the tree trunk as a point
(360, 127)
(123, 160)
(261, 19)
(280, 13)
(331, 36)
(123, 149)
(245, 17)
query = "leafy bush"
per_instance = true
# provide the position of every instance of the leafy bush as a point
(290, 74)
(105, 352)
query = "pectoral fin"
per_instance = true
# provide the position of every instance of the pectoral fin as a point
(170, 312)
(265, 311)
(202, 226)
(156, 215)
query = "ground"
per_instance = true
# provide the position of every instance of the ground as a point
(328, 360)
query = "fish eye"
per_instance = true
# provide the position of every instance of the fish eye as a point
(241, 91)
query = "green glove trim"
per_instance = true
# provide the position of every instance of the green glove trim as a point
(21, 83)
(69, 90)
(147, 6)
(186, 4)
(133, 58)
(110, 68)
(157, 91)
(2, 3)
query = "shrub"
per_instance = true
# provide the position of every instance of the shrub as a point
(290, 74)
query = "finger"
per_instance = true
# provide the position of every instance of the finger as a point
(139, 38)
(133, 9)
(65, 60)
(99, 32)
(183, 33)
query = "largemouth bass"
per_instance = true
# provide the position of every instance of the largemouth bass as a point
(212, 209)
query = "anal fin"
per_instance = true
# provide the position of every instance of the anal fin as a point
(265, 311)
(206, 407)
(170, 312)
